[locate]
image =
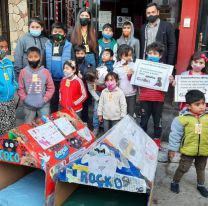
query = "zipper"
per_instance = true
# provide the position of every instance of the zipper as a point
(198, 140)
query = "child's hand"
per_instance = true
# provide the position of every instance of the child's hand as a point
(171, 79)
(100, 118)
(171, 154)
(174, 83)
(80, 75)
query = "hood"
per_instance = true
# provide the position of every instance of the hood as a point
(132, 32)
(185, 111)
(28, 68)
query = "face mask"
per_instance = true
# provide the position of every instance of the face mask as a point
(68, 74)
(151, 18)
(105, 36)
(197, 67)
(3, 53)
(34, 64)
(80, 59)
(111, 85)
(57, 37)
(35, 32)
(153, 58)
(84, 21)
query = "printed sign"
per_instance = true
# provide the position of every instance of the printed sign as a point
(104, 18)
(152, 75)
(187, 83)
(121, 20)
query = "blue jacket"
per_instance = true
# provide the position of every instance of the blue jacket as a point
(8, 85)
(55, 63)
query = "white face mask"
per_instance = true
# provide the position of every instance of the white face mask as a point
(68, 74)
(197, 67)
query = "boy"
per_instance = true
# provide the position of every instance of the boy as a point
(7, 89)
(151, 101)
(107, 59)
(36, 86)
(189, 135)
(58, 50)
(128, 38)
(107, 42)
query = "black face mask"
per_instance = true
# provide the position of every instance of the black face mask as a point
(152, 19)
(34, 64)
(57, 37)
(84, 21)
(80, 59)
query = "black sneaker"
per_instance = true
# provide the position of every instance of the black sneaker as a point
(174, 187)
(203, 191)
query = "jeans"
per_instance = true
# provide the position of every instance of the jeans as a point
(90, 59)
(131, 103)
(30, 115)
(55, 99)
(107, 124)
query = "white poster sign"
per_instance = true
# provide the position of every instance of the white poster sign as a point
(186, 83)
(121, 20)
(152, 75)
(104, 18)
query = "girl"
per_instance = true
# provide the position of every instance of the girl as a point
(84, 34)
(197, 66)
(33, 38)
(8, 86)
(124, 68)
(72, 90)
(112, 104)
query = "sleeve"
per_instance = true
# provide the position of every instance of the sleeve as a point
(101, 104)
(18, 57)
(21, 91)
(176, 134)
(93, 92)
(83, 92)
(50, 88)
(137, 49)
(123, 105)
(171, 44)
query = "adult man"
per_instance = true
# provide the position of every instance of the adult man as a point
(158, 30)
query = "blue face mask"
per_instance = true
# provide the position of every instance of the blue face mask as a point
(153, 58)
(35, 32)
(107, 36)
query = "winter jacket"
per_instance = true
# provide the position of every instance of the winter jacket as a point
(8, 84)
(23, 44)
(112, 105)
(132, 41)
(36, 87)
(55, 63)
(184, 136)
(72, 93)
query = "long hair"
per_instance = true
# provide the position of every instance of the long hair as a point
(76, 38)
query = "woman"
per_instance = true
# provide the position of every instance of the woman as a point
(84, 34)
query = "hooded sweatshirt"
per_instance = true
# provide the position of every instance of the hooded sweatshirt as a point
(131, 41)
(23, 44)
(35, 87)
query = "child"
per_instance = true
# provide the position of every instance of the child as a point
(35, 38)
(112, 104)
(128, 38)
(36, 86)
(197, 66)
(189, 135)
(151, 101)
(107, 59)
(72, 90)
(58, 50)
(8, 86)
(124, 68)
(107, 42)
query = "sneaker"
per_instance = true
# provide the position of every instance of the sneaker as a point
(174, 187)
(203, 191)
(157, 142)
(95, 132)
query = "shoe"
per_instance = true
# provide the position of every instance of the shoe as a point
(95, 132)
(203, 191)
(174, 187)
(157, 142)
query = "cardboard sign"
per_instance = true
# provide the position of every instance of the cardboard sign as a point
(152, 75)
(190, 82)
(125, 158)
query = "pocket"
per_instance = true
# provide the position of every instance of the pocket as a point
(35, 101)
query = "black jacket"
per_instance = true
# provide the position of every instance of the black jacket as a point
(165, 35)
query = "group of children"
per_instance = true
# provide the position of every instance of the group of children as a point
(68, 80)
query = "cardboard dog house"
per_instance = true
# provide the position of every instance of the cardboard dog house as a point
(123, 159)
(47, 144)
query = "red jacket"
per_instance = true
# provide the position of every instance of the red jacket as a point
(72, 93)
